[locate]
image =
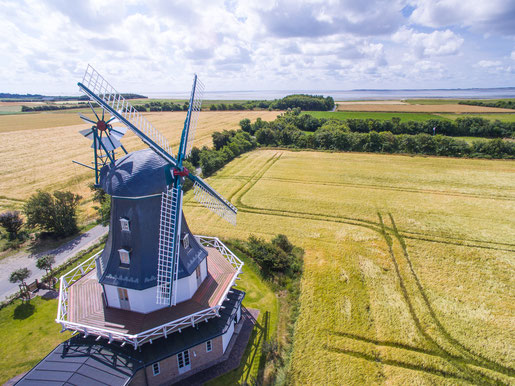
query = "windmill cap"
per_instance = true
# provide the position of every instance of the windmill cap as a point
(140, 173)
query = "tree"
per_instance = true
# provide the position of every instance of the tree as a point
(12, 222)
(245, 125)
(46, 262)
(104, 200)
(282, 242)
(55, 213)
(20, 275)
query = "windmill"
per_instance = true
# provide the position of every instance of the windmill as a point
(107, 139)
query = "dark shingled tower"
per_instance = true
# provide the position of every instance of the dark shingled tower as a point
(135, 184)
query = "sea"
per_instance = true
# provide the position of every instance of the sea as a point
(349, 95)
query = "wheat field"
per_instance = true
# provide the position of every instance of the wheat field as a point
(409, 266)
(36, 150)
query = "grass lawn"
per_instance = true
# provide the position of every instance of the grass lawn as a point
(28, 333)
(374, 115)
(423, 297)
(260, 296)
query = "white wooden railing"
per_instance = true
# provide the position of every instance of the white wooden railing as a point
(154, 333)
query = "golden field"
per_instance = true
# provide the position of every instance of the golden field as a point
(36, 150)
(409, 266)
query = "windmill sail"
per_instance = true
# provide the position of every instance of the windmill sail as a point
(190, 125)
(213, 201)
(168, 252)
(100, 91)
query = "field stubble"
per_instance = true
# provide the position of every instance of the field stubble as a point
(36, 150)
(423, 296)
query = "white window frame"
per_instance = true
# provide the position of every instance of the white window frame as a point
(184, 357)
(209, 346)
(186, 241)
(156, 369)
(124, 223)
(125, 257)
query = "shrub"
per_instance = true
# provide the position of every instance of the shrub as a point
(12, 222)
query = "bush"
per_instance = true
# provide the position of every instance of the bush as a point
(55, 213)
(276, 257)
(12, 222)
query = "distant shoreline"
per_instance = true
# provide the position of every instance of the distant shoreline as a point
(339, 95)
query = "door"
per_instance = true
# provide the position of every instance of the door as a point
(123, 295)
(183, 359)
(199, 276)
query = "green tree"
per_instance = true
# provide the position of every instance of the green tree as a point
(245, 125)
(12, 222)
(19, 276)
(104, 201)
(55, 213)
(46, 262)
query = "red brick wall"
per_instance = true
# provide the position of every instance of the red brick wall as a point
(169, 367)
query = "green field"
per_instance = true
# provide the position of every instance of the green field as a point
(409, 266)
(506, 117)
(419, 117)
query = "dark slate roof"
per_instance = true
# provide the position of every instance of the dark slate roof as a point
(142, 241)
(85, 361)
(137, 174)
(80, 361)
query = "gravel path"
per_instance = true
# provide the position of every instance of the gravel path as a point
(26, 260)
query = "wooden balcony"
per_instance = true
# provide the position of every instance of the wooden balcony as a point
(87, 311)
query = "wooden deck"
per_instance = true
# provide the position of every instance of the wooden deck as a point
(86, 305)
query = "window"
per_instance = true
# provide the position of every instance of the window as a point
(197, 272)
(186, 241)
(124, 256)
(183, 358)
(155, 368)
(124, 222)
(209, 346)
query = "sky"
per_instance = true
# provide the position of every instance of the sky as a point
(157, 45)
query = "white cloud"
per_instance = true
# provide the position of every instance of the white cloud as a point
(426, 45)
(492, 16)
(489, 63)
(156, 45)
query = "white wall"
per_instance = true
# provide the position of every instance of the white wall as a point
(145, 301)
(227, 336)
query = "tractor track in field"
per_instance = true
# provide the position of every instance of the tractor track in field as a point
(382, 187)
(248, 182)
(466, 363)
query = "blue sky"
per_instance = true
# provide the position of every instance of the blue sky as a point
(156, 45)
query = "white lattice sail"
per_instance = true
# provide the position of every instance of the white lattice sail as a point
(198, 95)
(99, 86)
(224, 208)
